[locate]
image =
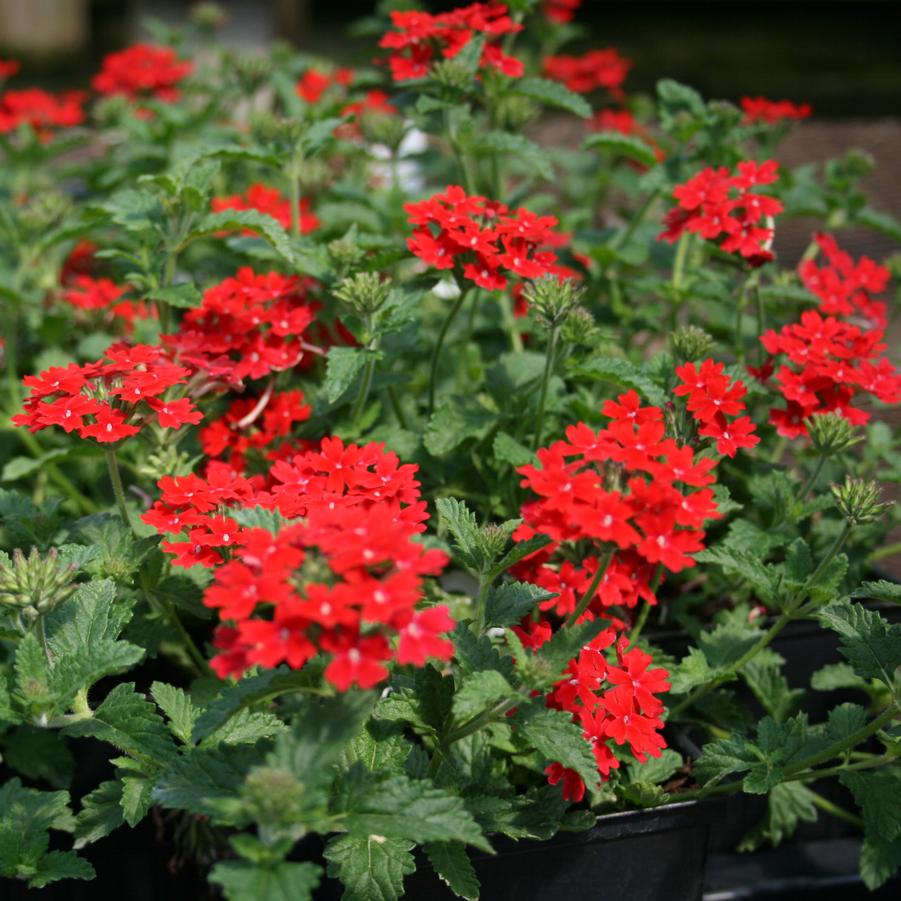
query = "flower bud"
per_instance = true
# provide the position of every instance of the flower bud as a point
(35, 584)
(344, 254)
(691, 343)
(859, 500)
(208, 16)
(274, 797)
(831, 433)
(364, 292)
(580, 328)
(451, 74)
(495, 538)
(552, 299)
(382, 129)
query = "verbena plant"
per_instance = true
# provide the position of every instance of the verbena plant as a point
(393, 428)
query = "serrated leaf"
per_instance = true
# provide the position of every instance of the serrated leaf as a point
(412, 809)
(479, 691)
(879, 860)
(880, 221)
(135, 798)
(622, 145)
(552, 93)
(676, 98)
(284, 881)
(57, 865)
(129, 722)
(246, 727)
(724, 757)
(508, 450)
(844, 720)
(655, 770)
(565, 644)
(101, 813)
(519, 551)
(452, 865)
(371, 868)
(880, 590)
(454, 421)
(623, 373)
(178, 708)
(834, 676)
(870, 644)
(788, 805)
(726, 644)
(469, 543)
(559, 740)
(878, 794)
(692, 670)
(342, 366)
(518, 147)
(763, 676)
(746, 565)
(377, 746)
(509, 603)
(185, 296)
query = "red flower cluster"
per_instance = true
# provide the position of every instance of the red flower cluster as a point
(313, 84)
(41, 110)
(489, 240)
(84, 292)
(590, 71)
(612, 703)
(831, 362)
(560, 11)
(343, 579)
(247, 327)
(110, 399)
(716, 204)
(142, 71)
(271, 202)
(626, 487)
(759, 109)
(420, 37)
(845, 287)
(254, 424)
(715, 402)
(8, 68)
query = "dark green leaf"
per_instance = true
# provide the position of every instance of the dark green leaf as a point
(871, 645)
(452, 865)
(372, 868)
(552, 93)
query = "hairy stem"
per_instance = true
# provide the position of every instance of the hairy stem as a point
(436, 353)
(549, 361)
(585, 600)
(115, 478)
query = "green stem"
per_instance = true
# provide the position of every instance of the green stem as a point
(42, 636)
(585, 600)
(116, 481)
(889, 550)
(10, 362)
(765, 640)
(872, 761)
(193, 652)
(642, 618)
(510, 326)
(396, 406)
(622, 238)
(366, 384)
(808, 485)
(676, 280)
(485, 718)
(436, 353)
(294, 189)
(545, 381)
(834, 810)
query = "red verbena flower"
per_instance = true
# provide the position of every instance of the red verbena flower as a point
(590, 71)
(8, 68)
(112, 398)
(561, 12)
(721, 206)
(271, 202)
(41, 110)
(142, 71)
(418, 39)
(759, 109)
(313, 84)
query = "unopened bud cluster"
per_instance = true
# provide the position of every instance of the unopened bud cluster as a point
(364, 292)
(831, 433)
(496, 538)
(859, 500)
(552, 299)
(451, 74)
(691, 343)
(580, 328)
(35, 584)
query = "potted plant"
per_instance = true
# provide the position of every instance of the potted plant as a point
(363, 528)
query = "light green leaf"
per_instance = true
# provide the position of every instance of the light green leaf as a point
(559, 740)
(342, 366)
(870, 644)
(507, 604)
(285, 881)
(178, 707)
(616, 142)
(621, 372)
(185, 296)
(452, 865)
(517, 147)
(372, 868)
(479, 691)
(454, 421)
(101, 813)
(552, 93)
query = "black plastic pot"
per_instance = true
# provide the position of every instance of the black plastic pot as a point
(644, 855)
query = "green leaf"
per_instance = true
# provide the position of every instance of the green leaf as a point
(559, 740)
(377, 746)
(469, 544)
(135, 211)
(129, 722)
(727, 643)
(879, 860)
(20, 467)
(455, 420)
(246, 727)
(517, 147)
(763, 676)
(788, 805)
(453, 866)
(342, 366)
(57, 865)
(552, 93)
(509, 603)
(880, 590)
(508, 450)
(724, 757)
(745, 565)
(413, 809)
(285, 881)
(479, 691)
(622, 145)
(623, 373)
(870, 644)
(834, 676)
(676, 98)
(881, 222)
(519, 551)
(185, 296)
(178, 707)
(372, 868)
(878, 794)
(844, 720)
(101, 813)
(565, 644)
(32, 675)
(135, 799)
(655, 770)
(265, 227)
